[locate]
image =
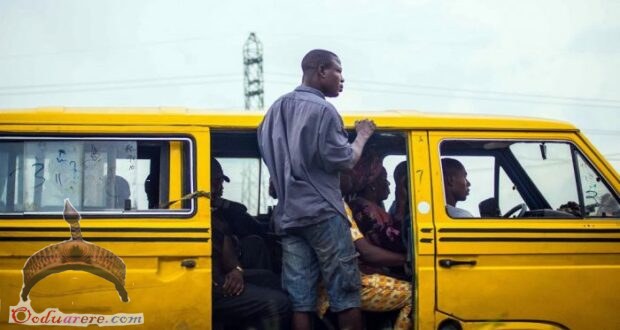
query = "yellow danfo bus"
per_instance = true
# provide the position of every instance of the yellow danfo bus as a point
(541, 249)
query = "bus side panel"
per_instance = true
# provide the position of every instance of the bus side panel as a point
(424, 243)
(167, 258)
(561, 271)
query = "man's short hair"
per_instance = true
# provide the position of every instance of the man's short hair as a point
(316, 58)
(450, 166)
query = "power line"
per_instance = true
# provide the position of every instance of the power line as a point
(206, 79)
(115, 48)
(119, 87)
(466, 90)
(57, 86)
(497, 99)
(120, 81)
(463, 90)
(472, 97)
(601, 131)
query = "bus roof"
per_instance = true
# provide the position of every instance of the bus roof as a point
(390, 119)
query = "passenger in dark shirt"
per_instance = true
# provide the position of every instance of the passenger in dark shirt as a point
(151, 188)
(247, 233)
(244, 299)
(304, 145)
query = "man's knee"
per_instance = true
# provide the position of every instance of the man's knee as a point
(281, 304)
(255, 253)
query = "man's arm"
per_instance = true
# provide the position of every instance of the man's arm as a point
(364, 128)
(233, 280)
(334, 149)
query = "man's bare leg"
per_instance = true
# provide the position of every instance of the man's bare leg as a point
(301, 321)
(350, 319)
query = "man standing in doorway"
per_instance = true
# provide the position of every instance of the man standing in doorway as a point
(304, 145)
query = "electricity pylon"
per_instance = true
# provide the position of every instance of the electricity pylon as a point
(253, 73)
(251, 193)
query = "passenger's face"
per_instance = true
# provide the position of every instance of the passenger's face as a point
(217, 187)
(333, 82)
(401, 182)
(382, 186)
(460, 185)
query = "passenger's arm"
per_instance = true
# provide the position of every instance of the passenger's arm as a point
(233, 280)
(378, 256)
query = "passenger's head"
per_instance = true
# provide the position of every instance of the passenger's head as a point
(400, 172)
(365, 170)
(401, 181)
(121, 191)
(379, 189)
(609, 207)
(151, 188)
(217, 179)
(369, 177)
(455, 181)
(322, 70)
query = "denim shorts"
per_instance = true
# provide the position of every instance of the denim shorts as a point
(324, 249)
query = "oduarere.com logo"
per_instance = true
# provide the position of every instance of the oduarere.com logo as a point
(74, 254)
(24, 314)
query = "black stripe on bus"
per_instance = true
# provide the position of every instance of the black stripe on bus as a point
(426, 240)
(530, 230)
(110, 229)
(530, 239)
(108, 239)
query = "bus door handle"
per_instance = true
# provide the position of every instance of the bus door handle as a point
(188, 263)
(448, 263)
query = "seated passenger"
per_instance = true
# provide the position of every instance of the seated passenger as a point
(456, 187)
(249, 233)
(244, 299)
(151, 188)
(379, 293)
(572, 208)
(608, 207)
(400, 205)
(121, 192)
(370, 188)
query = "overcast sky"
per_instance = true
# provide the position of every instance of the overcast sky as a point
(551, 59)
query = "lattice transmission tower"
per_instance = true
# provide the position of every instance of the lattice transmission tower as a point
(253, 73)
(253, 193)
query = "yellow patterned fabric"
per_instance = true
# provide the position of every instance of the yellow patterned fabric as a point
(383, 293)
(355, 231)
(380, 293)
